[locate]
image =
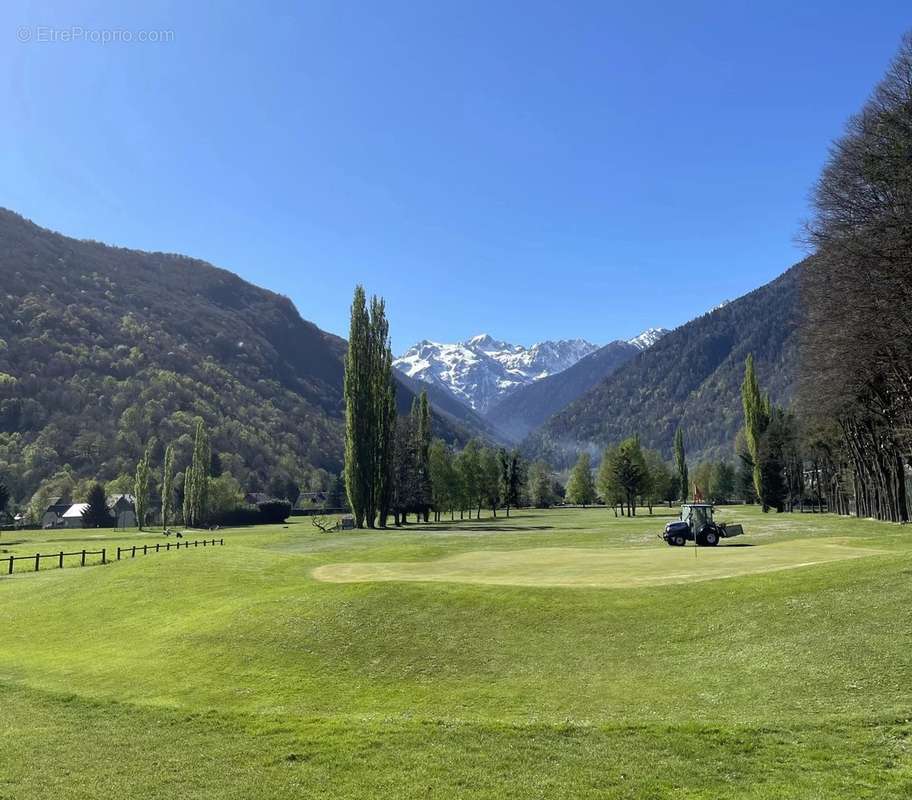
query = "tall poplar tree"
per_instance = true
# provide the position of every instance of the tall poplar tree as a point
(370, 412)
(168, 486)
(681, 464)
(141, 490)
(196, 488)
(383, 401)
(756, 418)
(358, 411)
(421, 413)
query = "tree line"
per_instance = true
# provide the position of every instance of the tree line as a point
(856, 394)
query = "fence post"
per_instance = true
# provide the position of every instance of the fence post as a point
(156, 547)
(37, 560)
(118, 554)
(195, 543)
(10, 566)
(145, 549)
(167, 545)
(223, 542)
(83, 561)
(104, 559)
(134, 552)
(60, 562)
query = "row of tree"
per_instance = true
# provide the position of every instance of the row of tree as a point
(856, 396)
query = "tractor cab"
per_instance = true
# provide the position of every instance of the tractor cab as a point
(697, 525)
(696, 515)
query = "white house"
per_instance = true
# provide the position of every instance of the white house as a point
(72, 517)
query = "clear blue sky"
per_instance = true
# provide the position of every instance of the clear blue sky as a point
(533, 170)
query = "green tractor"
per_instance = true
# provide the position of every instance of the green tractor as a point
(697, 525)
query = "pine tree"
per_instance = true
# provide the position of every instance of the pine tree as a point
(141, 490)
(96, 514)
(681, 465)
(631, 473)
(168, 486)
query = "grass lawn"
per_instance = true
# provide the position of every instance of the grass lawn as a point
(561, 653)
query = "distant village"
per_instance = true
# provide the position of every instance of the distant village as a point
(62, 513)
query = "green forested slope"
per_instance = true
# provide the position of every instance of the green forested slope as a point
(691, 377)
(104, 350)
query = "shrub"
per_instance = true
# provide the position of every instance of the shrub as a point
(274, 511)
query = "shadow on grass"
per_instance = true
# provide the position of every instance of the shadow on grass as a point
(440, 527)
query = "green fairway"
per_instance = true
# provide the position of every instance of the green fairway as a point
(570, 566)
(561, 653)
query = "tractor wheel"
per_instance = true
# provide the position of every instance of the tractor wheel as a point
(676, 541)
(708, 536)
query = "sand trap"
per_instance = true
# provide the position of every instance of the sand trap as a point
(618, 568)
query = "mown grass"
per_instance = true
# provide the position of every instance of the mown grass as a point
(233, 672)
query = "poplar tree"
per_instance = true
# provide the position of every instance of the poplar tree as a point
(681, 464)
(168, 485)
(358, 411)
(141, 489)
(756, 418)
(421, 414)
(511, 478)
(196, 488)
(383, 400)
(370, 412)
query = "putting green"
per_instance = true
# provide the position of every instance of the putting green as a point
(574, 566)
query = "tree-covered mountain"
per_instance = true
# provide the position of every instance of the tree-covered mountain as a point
(105, 350)
(527, 407)
(691, 377)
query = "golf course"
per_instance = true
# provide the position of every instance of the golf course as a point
(554, 653)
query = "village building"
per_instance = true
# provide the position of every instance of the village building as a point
(53, 514)
(72, 517)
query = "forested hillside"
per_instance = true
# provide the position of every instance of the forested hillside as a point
(105, 350)
(691, 377)
(527, 407)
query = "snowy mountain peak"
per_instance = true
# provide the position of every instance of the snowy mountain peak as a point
(647, 338)
(483, 369)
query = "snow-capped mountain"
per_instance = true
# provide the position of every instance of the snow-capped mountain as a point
(647, 338)
(482, 369)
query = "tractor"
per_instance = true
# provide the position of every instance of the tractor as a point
(697, 525)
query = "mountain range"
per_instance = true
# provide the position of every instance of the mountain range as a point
(106, 351)
(689, 378)
(482, 371)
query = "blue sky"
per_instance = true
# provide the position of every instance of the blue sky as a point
(532, 170)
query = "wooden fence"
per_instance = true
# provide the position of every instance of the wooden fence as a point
(122, 553)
